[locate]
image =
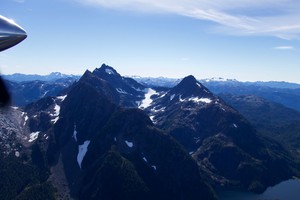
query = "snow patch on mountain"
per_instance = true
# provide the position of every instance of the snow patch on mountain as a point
(75, 133)
(45, 93)
(46, 136)
(56, 110)
(109, 71)
(146, 102)
(17, 154)
(121, 91)
(152, 117)
(129, 144)
(162, 109)
(164, 94)
(194, 99)
(33, 136)
(56, 113)
(82, 149)
(172, 97)
(197, 100)
(180, 98)
(25, 119)
(145, 159)
(62, 98)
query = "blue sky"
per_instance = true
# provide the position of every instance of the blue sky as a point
(238, 39)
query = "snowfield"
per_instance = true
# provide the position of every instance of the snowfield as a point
(82, 149)
(147, 100)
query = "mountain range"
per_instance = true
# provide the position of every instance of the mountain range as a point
(287, 94)
(29, 88)
(104, 146)
(18, 77)
(24, 93)
(106, 136)
(171, 82)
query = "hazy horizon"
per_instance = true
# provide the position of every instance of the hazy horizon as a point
(162, 76)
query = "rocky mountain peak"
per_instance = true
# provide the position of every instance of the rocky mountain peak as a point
(105, 71)
(110, 75)
(189, 86)
(188, 79)
(128, 90)
(87, 73)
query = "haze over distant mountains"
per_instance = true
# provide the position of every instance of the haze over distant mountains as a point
(18, 77)
(155, 81)
(171, 82)
(281, 92)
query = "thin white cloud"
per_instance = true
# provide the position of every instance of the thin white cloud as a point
(284, 48)
(279, 18)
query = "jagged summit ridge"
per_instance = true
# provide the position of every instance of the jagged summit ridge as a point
(190, 87)
(188, 80)
(129, 91)
(106, 69)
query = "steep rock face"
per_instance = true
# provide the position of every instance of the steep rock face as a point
(13, 132)
(22, 167)
(84, 111)
(100, 141)
(218, 137)
(166, 171)
(129, 91)
(87, 108)
(191, 112)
